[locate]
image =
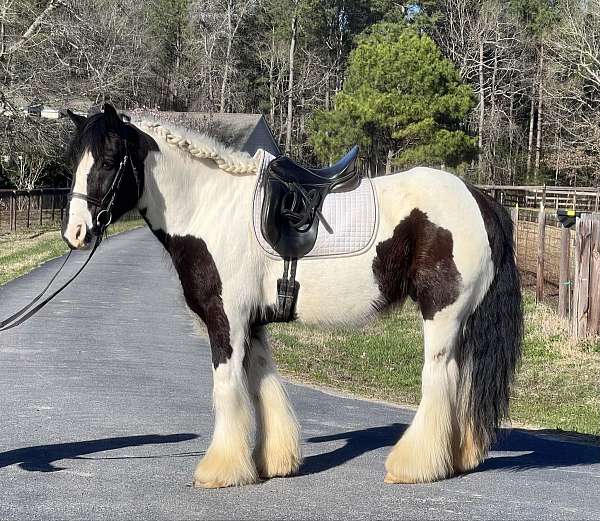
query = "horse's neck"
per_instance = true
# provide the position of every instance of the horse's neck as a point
(185, 196)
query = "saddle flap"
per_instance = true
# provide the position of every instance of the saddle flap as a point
(287, 221)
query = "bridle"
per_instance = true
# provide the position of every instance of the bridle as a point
(106, 204)
(103, 220)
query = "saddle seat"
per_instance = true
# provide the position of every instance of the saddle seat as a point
(293, 198)
(339, 177)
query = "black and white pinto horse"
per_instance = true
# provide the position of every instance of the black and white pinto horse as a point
(439, 241)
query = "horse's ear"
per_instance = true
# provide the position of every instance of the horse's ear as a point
(111, 114)
(78, 120)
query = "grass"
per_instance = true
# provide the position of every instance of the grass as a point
(20, 253)
(558, 384)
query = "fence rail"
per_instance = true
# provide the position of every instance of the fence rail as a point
(585, 199)
(22, 210)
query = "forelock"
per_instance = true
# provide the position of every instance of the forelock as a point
(91, 137)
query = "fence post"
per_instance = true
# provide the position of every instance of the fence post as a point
(53, 202)
(539, 286)
(14, 211)
(564, 282)
(593, 325)
(515, 219)
(544, 196)
(28, 209)
(41, 206)
(582, 277)
(10, 212)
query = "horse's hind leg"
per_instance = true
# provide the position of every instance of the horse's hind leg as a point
(277, 451)
(425, 451)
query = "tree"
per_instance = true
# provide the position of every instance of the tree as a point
(402, 101)
(573, 92)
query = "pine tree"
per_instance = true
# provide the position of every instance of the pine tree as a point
(402, 101)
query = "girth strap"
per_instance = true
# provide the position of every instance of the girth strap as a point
(287, 292)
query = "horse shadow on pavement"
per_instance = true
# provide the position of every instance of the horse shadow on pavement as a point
(41, 458)
(515, 450)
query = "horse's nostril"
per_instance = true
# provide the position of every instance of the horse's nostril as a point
(78, 232)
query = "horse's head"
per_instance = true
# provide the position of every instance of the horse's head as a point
(107, 156)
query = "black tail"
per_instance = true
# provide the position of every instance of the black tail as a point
(490, 347)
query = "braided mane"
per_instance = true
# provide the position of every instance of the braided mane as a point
(206, 147)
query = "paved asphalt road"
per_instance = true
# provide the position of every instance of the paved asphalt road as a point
(105, 409)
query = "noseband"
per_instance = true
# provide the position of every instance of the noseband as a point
(106, 204)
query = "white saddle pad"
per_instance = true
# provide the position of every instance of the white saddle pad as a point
(353, 217)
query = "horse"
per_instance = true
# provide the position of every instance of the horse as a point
(439, 241)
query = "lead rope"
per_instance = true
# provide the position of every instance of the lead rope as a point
(27, 311)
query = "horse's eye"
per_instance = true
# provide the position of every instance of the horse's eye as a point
(107, 165)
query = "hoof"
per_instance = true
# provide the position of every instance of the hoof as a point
(393, 480)
(210, 484)
(217, 470)
(415, 461)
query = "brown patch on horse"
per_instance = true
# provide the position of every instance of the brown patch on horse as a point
(202, 289)
(417, 261)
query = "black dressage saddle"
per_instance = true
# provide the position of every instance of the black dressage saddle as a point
(293, 198)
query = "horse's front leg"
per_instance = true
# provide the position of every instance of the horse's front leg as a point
(228, 460)
(277, 451)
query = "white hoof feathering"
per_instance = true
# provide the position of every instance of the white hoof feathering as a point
(470, 451)
(225, 468)
(424, 453)
(228, 461)
(277, 451)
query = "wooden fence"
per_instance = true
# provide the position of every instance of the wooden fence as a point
(530, 235)
(23, 209)
(567, 260)
(586, 290)
(584, 199)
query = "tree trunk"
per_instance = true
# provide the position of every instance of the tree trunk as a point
(530, 141)
(227, 57)
(176, 73)
(388, 163)
(481, 107)
(271, 80)
(538, 143)
(290, 108)
(511, 173)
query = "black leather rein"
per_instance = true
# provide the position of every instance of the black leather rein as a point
(103, 220)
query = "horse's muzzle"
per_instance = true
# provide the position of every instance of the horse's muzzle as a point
(76, 234)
